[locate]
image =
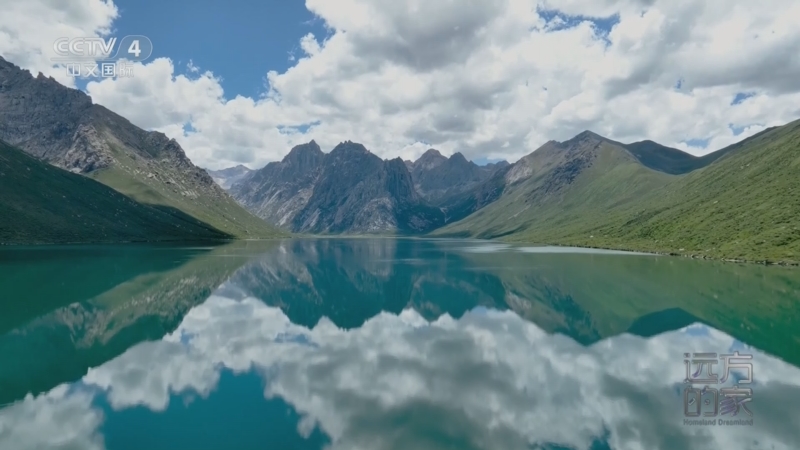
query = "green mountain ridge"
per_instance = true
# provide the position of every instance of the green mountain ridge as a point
(741, 203)
(62, 126)
(42, 203)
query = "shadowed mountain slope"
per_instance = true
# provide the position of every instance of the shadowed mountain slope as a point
(62, 127)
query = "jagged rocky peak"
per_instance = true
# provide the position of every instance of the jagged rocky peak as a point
(431, 153)
(398, 165)
(305, 156)
(307, 148)
(585, 136)
(349, 147)
(458, 158)
(42, 77)
(430, 159)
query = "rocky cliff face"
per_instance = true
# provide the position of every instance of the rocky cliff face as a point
(558, 163)
(437, 177)
(348, 190)
(63, 127)
(277, 192)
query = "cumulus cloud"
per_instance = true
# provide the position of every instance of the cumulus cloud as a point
(28, 30)
(61, 419)
(489, 378)
(489, 78)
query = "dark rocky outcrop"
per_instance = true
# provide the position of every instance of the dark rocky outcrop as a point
(437, 177)
(348, 190)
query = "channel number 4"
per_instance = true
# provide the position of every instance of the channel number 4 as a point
(134, 48)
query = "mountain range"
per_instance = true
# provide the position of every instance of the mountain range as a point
(740, 202)
(351, 190)
(62, 127)
(75, 171)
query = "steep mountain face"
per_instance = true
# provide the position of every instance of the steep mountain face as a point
(280, 190)
(348, 190)
(436, 177)
(46, 204)
(226, 178)
(62, 127)
(591, 191)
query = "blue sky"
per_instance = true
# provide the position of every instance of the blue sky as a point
(238, 40)
(483, 78)
(241, 40)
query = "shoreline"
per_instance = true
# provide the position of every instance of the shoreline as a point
(763, 262)
(140, 242)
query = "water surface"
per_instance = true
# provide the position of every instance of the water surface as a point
(384, 344)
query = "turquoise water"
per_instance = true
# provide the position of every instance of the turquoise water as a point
(385, 344)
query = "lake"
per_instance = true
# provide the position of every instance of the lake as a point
(393, 344)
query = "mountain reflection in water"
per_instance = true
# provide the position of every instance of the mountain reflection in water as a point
(384, 344)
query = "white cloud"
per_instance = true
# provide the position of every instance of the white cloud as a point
(57, 420)
(489, 78)
(490, 378)
(28, 30)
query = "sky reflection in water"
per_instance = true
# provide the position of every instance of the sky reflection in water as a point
(238, 373)
(487, 380)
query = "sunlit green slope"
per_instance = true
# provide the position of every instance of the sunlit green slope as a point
(593, 192)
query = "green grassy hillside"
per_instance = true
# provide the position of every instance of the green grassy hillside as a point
(41, 203)
(61, 126)
(155, 173)
(745, 205)
(557, 188)
(677, 162)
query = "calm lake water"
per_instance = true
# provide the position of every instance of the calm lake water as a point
(391, 344)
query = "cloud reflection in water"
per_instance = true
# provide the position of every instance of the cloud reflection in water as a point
(487, 380)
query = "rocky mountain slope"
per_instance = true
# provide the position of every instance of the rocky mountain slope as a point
(348, 190)
(437, 177)
(302, 192)
(41, 203)
(226, 178)
(61, 126)
(742, 203)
